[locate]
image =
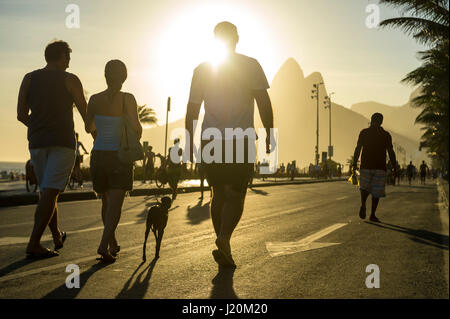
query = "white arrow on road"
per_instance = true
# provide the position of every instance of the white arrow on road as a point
(276, 249)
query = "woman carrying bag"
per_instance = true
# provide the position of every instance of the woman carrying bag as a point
(112, 116)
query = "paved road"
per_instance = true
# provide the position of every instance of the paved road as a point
(276, 247)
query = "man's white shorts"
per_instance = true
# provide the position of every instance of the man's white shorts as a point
(52, 166)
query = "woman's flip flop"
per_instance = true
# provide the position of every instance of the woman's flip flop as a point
(63, 239)
(107, 259)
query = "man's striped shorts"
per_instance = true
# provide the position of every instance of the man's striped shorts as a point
(373, 181)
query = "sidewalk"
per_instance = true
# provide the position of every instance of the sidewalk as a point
(443, 191)
(15, 194)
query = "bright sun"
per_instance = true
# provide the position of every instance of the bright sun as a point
(188, 40)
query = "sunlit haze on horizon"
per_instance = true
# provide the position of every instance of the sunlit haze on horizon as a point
(162, 42)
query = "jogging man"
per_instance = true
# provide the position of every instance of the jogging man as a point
(228, 91)
(374, 142)
(49, 93)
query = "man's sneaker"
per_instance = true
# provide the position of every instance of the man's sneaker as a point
(374, 219)
(362, 212)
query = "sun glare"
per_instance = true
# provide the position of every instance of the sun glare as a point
(188, 40)
(218, 53)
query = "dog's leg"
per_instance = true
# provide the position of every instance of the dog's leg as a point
(144, 258)
(158, 242)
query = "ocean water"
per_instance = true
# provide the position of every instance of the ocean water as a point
(17, 167)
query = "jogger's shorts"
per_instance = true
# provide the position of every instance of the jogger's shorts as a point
(52, 166)
(373, 181)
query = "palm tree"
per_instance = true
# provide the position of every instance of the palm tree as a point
(147, 115)
(428, 24)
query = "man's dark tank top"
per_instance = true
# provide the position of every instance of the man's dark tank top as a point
(51, 104)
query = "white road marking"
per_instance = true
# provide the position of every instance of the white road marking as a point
(23, 240)
(308, 243)
(341, 198)
(170, 242)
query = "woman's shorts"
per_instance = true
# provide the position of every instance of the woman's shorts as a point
(110, 173)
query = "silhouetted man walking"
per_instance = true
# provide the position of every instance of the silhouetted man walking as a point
(229, 91)
(374, 142)
(49, 93)
(423, 172)
(410, 172)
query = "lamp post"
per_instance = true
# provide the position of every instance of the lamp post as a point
(167, 125)
(327, 103)
(315, 95)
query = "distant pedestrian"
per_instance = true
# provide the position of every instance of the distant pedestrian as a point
(410, 171)
(49, 93)
(374, 142)
(282, 169)
(149, 164)
(293, 170)
(78, 160)
(423, 172)
(174, 166)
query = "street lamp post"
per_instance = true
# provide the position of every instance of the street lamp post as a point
(167, 125)
(327, 103)
(315, 95)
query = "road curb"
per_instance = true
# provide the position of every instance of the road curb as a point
(32, 199)
(441, 184)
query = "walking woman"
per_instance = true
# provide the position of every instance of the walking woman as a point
(110, 177)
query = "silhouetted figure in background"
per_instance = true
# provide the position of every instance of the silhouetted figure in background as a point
(229, 90)
(174, 166)
(410, 172)
(111, 177)
(293, 169)
(149, 164)
(374, 142)
(397, 173)
(390, 177)
(79, 160)
(49, 93)
(423, 172)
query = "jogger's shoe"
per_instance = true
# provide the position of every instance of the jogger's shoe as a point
(374, 219)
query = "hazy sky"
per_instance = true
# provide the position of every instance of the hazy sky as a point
(162, 41)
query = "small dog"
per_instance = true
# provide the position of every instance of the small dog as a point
(156, 221)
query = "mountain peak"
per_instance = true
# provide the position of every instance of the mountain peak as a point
(292, 65)
(289, 72)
